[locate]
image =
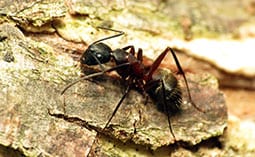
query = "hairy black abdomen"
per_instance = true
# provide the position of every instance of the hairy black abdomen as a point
(167, 93)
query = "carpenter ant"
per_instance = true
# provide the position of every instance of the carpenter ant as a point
(164, 89)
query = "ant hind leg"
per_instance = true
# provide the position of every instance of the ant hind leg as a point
(184, 77)
(166, 109)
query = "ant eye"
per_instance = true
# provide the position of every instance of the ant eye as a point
(99, 56)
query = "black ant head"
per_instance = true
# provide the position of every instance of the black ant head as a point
(97, 53)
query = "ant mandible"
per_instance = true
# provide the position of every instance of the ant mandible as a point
(164, 89)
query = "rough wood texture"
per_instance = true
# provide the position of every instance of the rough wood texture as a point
(31, 86)
(35, 67)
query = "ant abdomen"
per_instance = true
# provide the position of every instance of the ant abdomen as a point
(167, 92)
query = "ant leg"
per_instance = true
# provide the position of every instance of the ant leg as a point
(137, 121)
(184, 77)
(156, 64)
(167, 110)
(118, 105)
(165, 107)
(132, 49)
(93, 75)
(140, 55)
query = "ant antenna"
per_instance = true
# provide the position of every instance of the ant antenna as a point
(93, 75)
(106, 38)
